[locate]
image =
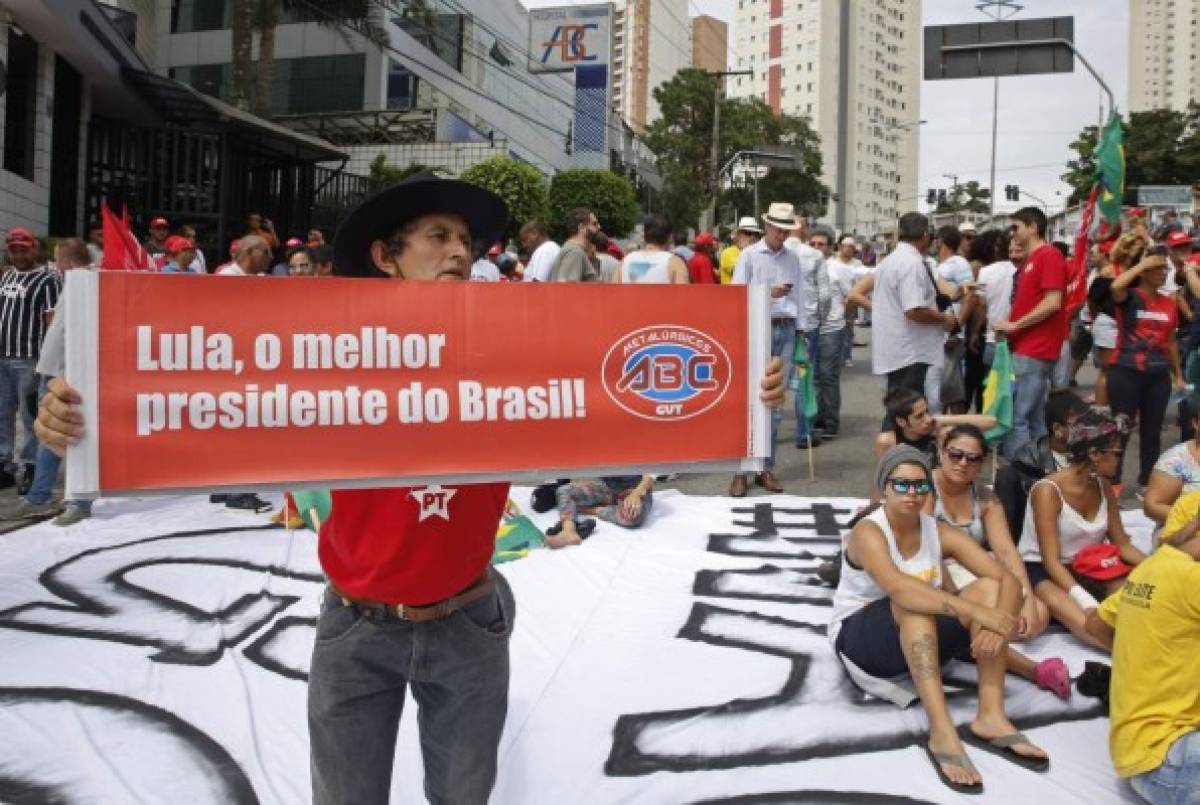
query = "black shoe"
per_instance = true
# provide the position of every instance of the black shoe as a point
(25, 481)
(7, 479)
(815, 440)
(248, 501)
(218, 498)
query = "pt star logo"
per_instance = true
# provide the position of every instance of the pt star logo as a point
(434, 501)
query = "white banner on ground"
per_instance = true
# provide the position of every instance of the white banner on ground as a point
(159, 651)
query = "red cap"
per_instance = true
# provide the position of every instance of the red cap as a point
(1137, 212)
(160, 221)
(176, 243)
(1101, 562)
(1106, 246)
(615, 250)
(495, 251)
(20, 236)
(293, 243)
(705, 241)
(1178, 238)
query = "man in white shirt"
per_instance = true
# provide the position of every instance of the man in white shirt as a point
(769, 262)
(812, 303)
(484, 269)
(952, 268)
(996, 283)
(907, 328)
(846, 256)
(542, 251)
(832, 339)
(253, 256)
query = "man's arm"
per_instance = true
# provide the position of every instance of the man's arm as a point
(860, 295)
(1051, 303)
(678, 271)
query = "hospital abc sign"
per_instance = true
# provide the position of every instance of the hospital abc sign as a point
(666, 372)
(562, 39)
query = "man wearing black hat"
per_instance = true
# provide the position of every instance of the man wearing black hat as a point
(412, 602)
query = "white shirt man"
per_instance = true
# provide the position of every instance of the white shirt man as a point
(542, 252)
(811, 293)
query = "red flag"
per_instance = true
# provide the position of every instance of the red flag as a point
(1077, 270)
(122, 252)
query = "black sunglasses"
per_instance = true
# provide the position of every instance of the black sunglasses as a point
(957, 456)
(902, 486)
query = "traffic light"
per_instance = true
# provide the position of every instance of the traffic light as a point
(1012, 192)
(931, 197)
(941, 198)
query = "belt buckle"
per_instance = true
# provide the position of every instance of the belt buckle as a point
(398, 609)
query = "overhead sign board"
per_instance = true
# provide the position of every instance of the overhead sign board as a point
(1164, 195)
(1010, 47)
(563, 38)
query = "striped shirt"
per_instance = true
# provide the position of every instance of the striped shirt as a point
(25, 298)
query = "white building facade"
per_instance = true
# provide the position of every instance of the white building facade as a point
(1164, 37)
(853, 69)
(652, 41)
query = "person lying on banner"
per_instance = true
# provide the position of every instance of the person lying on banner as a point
(411, 601)
(895, 623)
(1152, 627)
(1069, 516)
(914, 424)
(956, 502)
(623, 500)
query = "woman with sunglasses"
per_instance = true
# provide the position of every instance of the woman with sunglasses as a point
(958, 504)
(1145, 363)
(894, 616)
(1070, 510)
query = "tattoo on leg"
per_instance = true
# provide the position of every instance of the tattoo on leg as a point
(922, 655)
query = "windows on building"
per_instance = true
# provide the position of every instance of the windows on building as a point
(306, 85)
(20, 104)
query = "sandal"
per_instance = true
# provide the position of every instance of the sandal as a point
(1052, 675)
(952, 759)
(1005, 747)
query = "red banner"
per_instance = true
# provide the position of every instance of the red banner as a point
(195, 382)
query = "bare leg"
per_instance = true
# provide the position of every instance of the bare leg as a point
(986, 593)
(1066, 611)
(918, 638)
(991, 721)
(1101, 390)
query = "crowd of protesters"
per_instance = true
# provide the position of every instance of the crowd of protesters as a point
(939, 565)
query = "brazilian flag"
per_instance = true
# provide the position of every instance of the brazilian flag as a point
(998, 393)
(1110, 171)
(803, 382)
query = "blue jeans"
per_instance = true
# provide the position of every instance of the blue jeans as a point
(1029, 396)
(848, 343)
(16, 385)
(458, 670)
(783, 345)
(1177, 780)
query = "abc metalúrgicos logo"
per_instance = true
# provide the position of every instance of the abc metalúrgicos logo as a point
(666, 372)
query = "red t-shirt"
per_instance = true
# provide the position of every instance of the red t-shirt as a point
(700, 267)
(1145, 326)
(1046, 270)
(410, 545)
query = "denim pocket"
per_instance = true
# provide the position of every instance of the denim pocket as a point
(336, 620)
(492, 616)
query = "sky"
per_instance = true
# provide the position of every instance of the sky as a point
(1038, 117)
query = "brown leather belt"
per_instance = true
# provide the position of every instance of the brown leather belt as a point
(438, 610)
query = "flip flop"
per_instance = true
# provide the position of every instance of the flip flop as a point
(1003, 747)
(951, 759)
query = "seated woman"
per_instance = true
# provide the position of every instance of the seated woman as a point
(1177, 471)
(913, 424)
(1070, 510)
(978, 515)
(891, 617)
(625, 500)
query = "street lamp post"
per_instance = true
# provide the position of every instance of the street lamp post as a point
(714, 160)
(998, 10)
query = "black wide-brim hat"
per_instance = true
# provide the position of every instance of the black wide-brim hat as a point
(380, 215)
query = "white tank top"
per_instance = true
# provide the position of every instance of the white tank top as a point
(857, 588)
(1075, 532)
(646, 267)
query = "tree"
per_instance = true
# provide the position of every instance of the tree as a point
(522, 186)
(250, 81)
(384, 175)
(682, 140)
(969, 197)
(610, 196)
(1162, 146)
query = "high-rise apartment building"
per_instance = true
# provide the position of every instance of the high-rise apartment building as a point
(652, 41)
(853, 68)
(1164, 36)
(710, 42)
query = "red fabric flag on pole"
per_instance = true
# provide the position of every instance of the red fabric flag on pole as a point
(1077, 270)
(122, 252)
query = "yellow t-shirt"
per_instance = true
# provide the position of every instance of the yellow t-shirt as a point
(1183, 512)
(729, 258)
(1155, 688)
